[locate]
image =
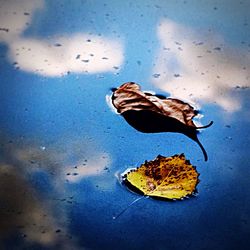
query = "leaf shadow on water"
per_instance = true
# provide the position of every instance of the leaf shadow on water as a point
(147, 121)
(152, 113)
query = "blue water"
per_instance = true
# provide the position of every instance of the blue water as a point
(63, 147)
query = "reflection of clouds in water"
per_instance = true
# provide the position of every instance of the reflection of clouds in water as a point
(39, 211)
(15, 17)
(69, 54)
(93, 166)
(77, 53)
(200, 67)
(22, 210)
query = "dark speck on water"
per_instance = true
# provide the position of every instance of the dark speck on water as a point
(4, 29)
(156, 75)
(57, 45)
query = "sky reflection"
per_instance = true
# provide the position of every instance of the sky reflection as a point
(58, 55)
(35, 182)
(61, 147)
(200, 67)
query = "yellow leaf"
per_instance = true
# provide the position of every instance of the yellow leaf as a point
(165, 177)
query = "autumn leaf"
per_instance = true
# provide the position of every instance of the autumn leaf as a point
(165, 177)
(150, 113)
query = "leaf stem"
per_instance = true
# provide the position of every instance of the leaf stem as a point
(126, 208)
(206, 126)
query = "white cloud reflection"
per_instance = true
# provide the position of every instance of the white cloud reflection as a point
(200, 67)
(57, 55)
(94, 166)
(15, 17)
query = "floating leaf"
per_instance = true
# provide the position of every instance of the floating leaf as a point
(165, 177)
(150, 113)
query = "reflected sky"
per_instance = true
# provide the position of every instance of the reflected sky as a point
(62, 147)
(201, 66)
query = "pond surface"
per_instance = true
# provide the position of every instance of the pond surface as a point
(63, 147)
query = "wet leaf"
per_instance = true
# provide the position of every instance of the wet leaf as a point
(150, 113)
(165, 177)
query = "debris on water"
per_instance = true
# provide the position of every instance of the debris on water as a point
(241, 87)
(105, 58)
(86, 61)
(4, 29)
(177, 75)
(217, 48)
(198, 43)
(57, 45)
(78, 56)
(106, 168)
(42, 148)
(156, 75)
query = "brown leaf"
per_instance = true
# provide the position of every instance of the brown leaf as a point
(150, 113)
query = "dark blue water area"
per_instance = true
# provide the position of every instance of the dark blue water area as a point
(63, 148)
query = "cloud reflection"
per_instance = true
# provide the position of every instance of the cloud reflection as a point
(58, 55)
(93, 166)
(15, 17)
(22, 210)
(27, 209)
(200, 67)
